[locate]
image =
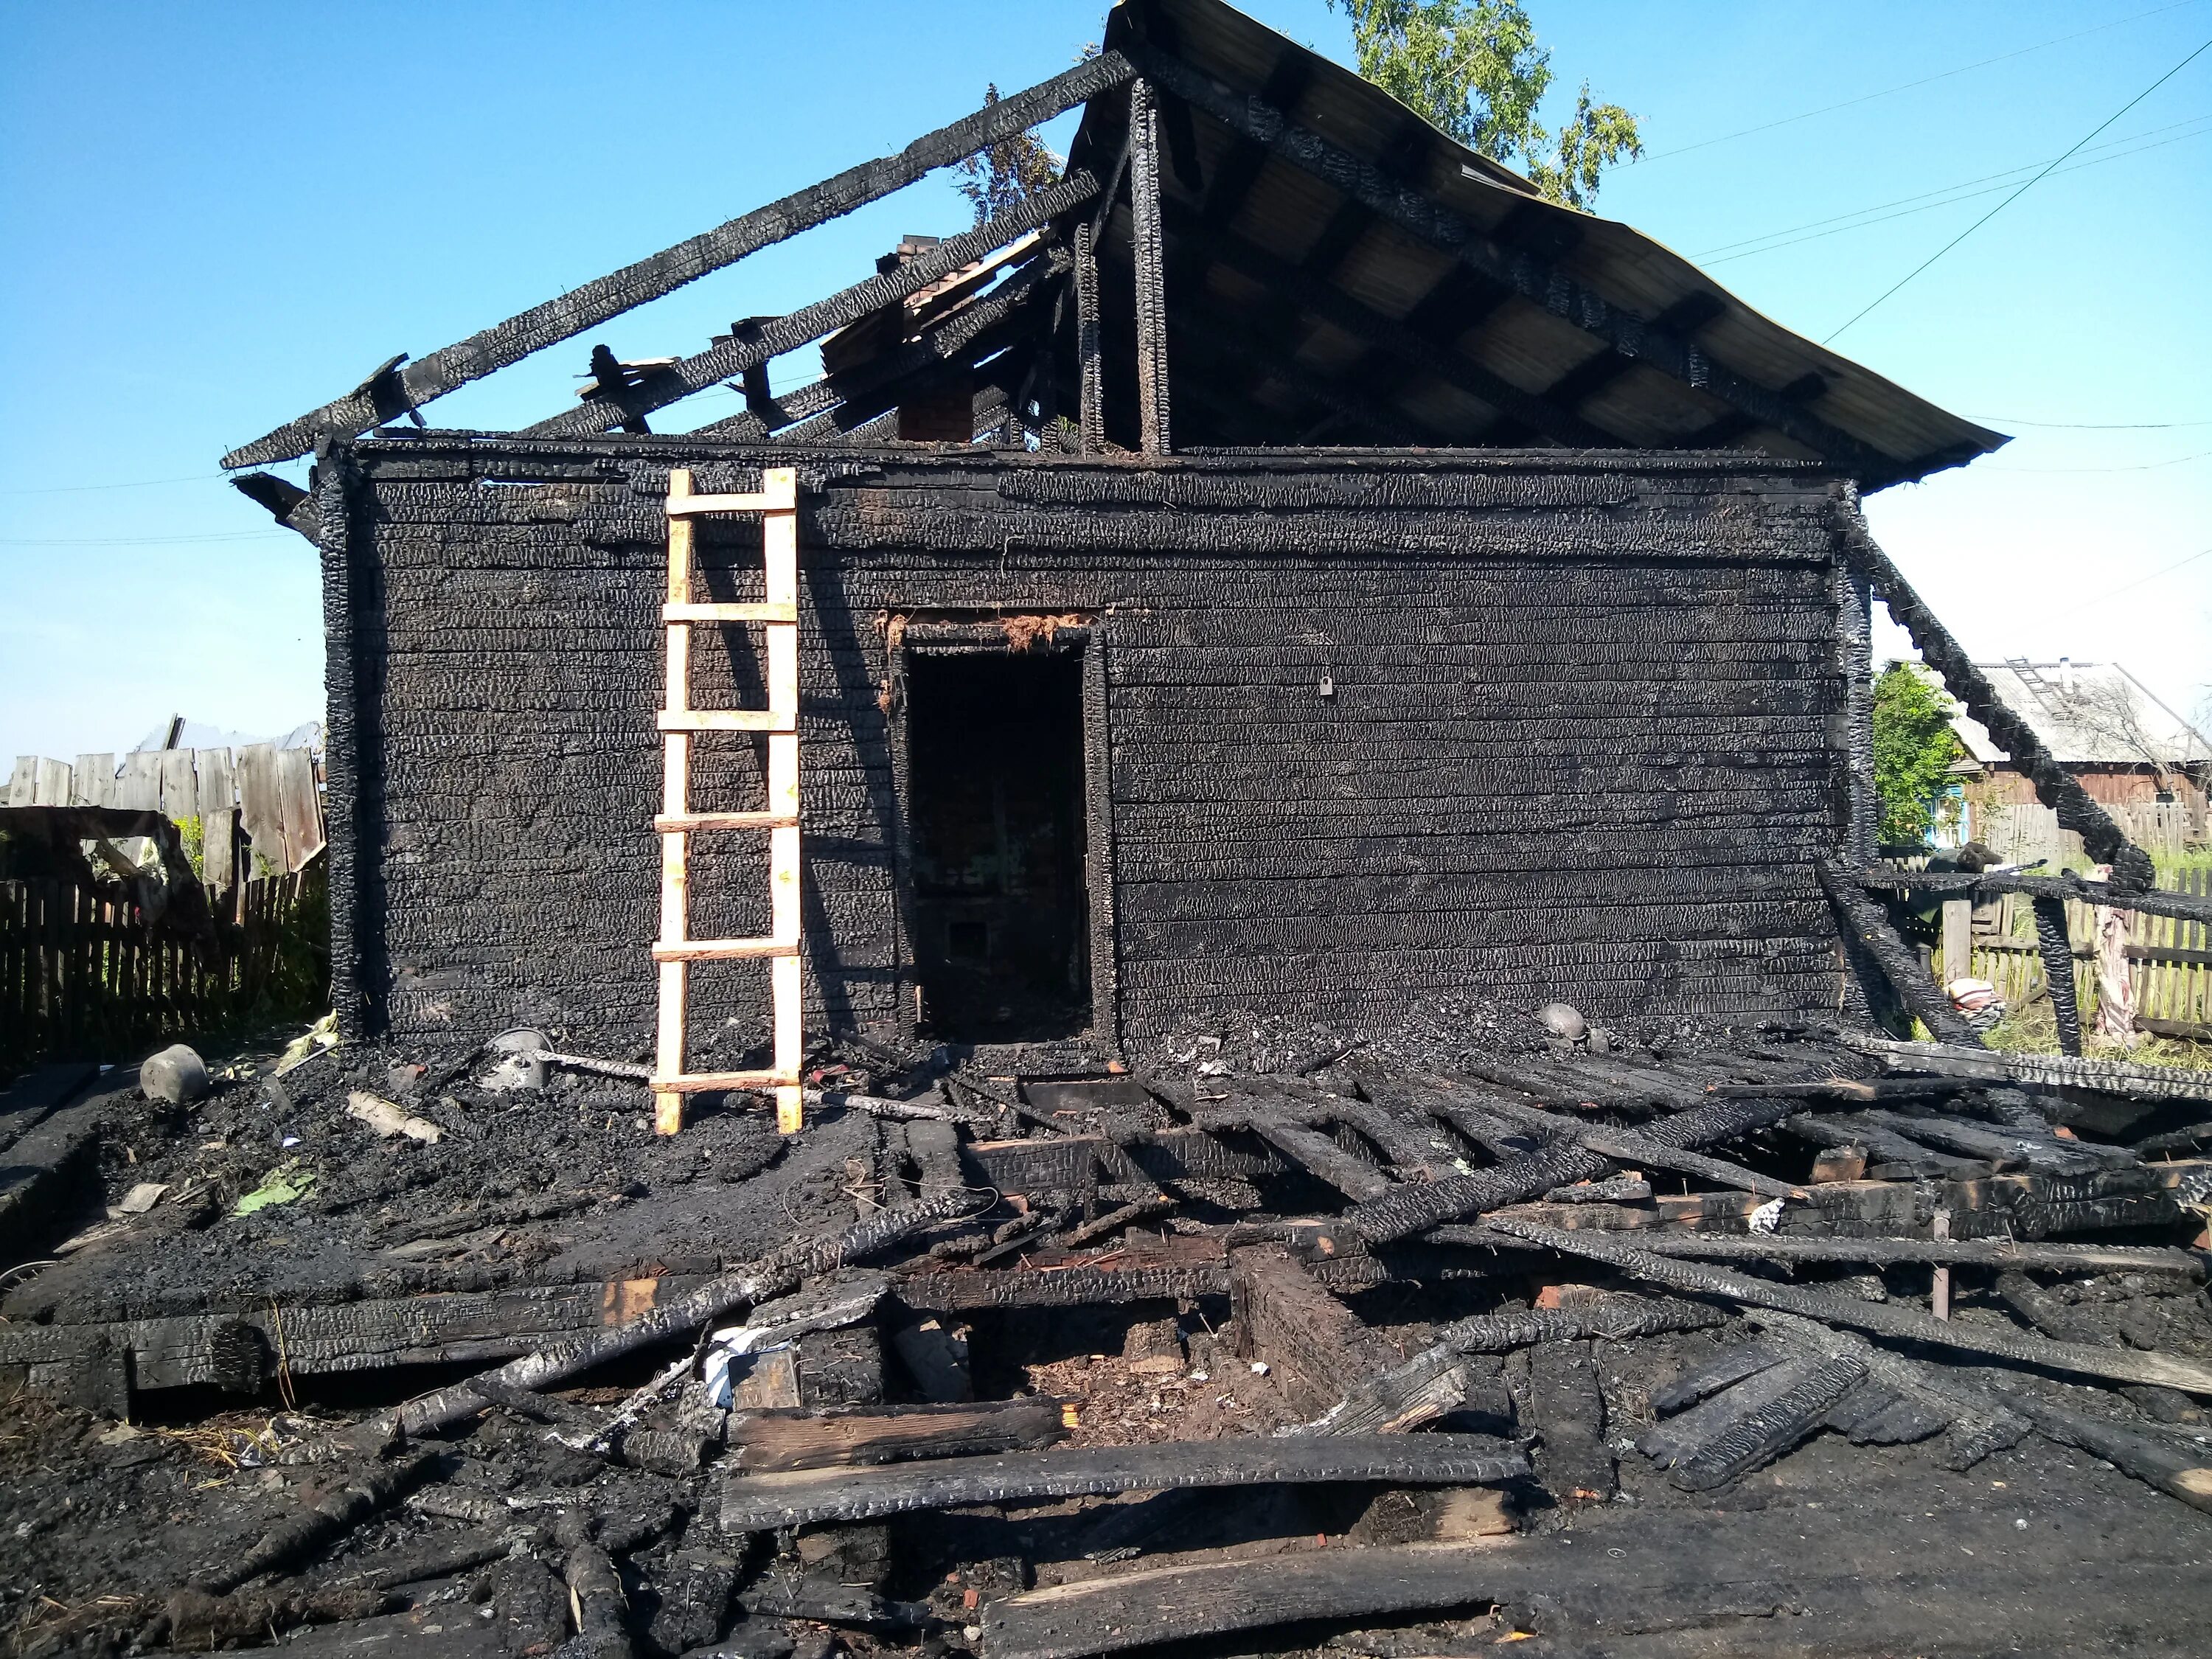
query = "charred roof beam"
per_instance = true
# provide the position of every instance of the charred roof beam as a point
(1600, 370)
(1332, 305)
(966, 337)
(595, 303)
(734, 355)
(1532, 278)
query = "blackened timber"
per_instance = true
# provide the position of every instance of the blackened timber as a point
(1881, 1319)
(1407, 1210)
(1870, 927)
(1532, 278)
(844, 402)
(1148, 253)
(846, 1437)
(594, 303)
(761, 1502)
(2083, 1259)
(2055, 786)
(1625, 1145)
(2187, 907)
(734, 356)
(1600, 369)
(1090, 400)
(1060, 1287)
(1234, 174)
(1416, 349)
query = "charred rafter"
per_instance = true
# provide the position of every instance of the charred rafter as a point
(593, 303)
(810, 323)
(1330, 304)
(1532, 278)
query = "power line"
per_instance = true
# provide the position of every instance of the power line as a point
(2021, 191)
(136, 483)
(1868, 98)
(2093, 426)
(1951, 196)
(2140, 581)
(2142, 466)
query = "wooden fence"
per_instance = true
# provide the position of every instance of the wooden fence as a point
(266, 795)
(83, 976)
(2170, 960)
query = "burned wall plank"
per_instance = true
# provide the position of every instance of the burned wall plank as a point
(1578, 741)
(758, 1502)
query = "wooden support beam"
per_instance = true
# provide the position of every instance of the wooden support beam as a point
(1313, 1344)
(2055, 786)
(594, 303)
(850, 1436)
(2187, 907)
(762, 1503)
(1603, 367)
(2168, 1370)
(1532, 278)
(1625, 1145)
(2001, 1253)
(1409, 1209)
(1091, 406)
(1148, 254)
(719, 362)
(2117, 1077)
(1322, 1157)
(1419, 350)
(982, 1290)
(1869, 928)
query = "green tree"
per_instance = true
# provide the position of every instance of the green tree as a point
(1010, 172)
(1914, 749)
(1473, 68)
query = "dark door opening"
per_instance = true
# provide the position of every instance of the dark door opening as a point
(1001, 909)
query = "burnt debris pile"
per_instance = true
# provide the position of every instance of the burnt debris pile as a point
(1282, 1345)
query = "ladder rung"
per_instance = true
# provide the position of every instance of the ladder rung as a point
(722, 949)
(696, 1083)
(691, 507)
(679, 822)
(730, 613)
(726, 719)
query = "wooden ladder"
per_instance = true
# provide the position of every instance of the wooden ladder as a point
(676, 950)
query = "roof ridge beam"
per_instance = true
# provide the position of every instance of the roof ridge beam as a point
(387, 395)
(787, 333)
(1532, 278)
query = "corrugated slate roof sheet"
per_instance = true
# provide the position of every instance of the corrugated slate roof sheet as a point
(2086, 713)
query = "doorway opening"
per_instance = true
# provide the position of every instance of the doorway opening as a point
(997, 835)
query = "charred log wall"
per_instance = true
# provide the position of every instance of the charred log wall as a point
(1585, 739)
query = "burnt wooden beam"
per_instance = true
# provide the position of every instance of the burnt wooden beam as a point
(1312, 1343)
(1409, 1209)
(844, 1438)
(1419, 351)
(1236, 173)
(1868, 927)
(289, 505)
(1214, 1598)
(850, 399)
(1625, 1145)
(1148, 257)
(608, 297)
(1532, 278)
(1723, 431)
(986, 1289)
(2187, 907)
(762, 1503)
(2055, 786)
(2083, 1259)
(1090, 399)
(1880, 1319)
(2038, 1071)
(733, 357)
(1600, 370)
(614, 386)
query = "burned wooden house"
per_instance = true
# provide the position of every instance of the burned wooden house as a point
(1284, 565)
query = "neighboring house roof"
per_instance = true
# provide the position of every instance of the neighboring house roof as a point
(2086, 713)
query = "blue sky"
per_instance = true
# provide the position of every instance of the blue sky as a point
(220, 216)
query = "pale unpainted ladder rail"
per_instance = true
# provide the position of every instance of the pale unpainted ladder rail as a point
(777, 503)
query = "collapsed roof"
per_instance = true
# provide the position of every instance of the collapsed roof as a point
(1336, 270)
